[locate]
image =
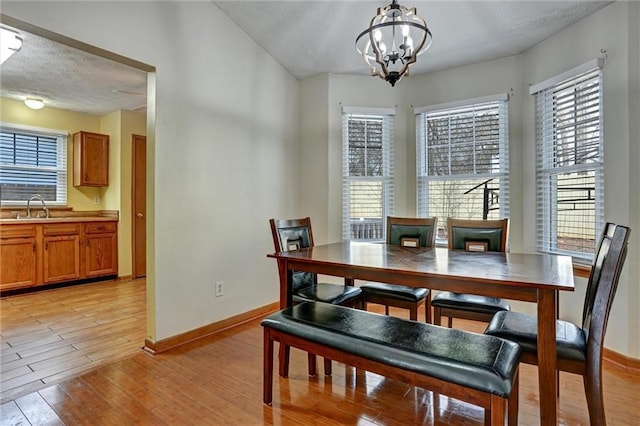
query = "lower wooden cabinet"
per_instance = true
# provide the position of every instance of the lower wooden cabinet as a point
(19, 257)
(101, 249)
(38, 254)
(61, 252)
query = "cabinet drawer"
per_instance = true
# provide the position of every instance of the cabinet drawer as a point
(100, 227)
(17, 231)
(61, 229)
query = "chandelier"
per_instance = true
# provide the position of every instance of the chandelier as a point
(393, 41)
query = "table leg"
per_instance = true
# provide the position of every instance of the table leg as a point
(286, 280)
(286, 300)
(547, 361)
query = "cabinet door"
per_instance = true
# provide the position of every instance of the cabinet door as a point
(19, 262)
(91, 159)
(61, 258)
(101, 254)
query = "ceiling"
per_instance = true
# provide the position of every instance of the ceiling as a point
(307, 37)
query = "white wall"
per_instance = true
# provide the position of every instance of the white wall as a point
(226, 135)
(614, 28)
(634, 177)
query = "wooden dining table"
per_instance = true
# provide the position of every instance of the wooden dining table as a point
(528, 277)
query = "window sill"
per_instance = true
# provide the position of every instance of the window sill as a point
(581, 270)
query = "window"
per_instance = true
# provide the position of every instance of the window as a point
(32, 161)
(463, 161)
(570, 212)
(367, 172)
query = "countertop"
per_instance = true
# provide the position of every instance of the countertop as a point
(58, 220)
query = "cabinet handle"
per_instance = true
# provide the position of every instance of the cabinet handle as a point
(87, 243)
(46, 246)
(34, 247)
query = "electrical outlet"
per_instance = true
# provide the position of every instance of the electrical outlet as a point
(96, 200)
(219, 288)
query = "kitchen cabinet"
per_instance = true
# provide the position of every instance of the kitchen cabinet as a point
(101, 249)
(61, 252)
(19, 254)
(45, 252)
(90, 159)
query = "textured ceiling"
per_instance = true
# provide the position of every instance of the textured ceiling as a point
(306, 37)
(67, 78)
(314, 37)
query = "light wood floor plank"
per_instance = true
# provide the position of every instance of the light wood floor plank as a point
(37, 410)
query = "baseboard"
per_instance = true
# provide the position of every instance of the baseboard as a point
(208, 330)
(621, 362)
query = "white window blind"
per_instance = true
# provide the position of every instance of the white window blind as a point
(570, 178)
(463, 162)
(367, 173)
(32, 161)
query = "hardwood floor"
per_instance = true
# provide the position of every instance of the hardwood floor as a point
(218, 381)
(51, 335)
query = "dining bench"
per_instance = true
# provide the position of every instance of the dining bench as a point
(475, 368)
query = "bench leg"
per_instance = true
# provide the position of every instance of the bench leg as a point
(512, 405)
(327, 367)
(267, 373)
(311, 360)
(497, 410)
(284, 360)
(427, 308)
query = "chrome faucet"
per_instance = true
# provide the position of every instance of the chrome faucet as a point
(44, 205)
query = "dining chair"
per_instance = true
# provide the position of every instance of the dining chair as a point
(410, 233)
(295, 234)
(472, 236)
(579, 348)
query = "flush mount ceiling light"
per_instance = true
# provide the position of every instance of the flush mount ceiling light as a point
(10, 43)
(34, 103)
(393, 41)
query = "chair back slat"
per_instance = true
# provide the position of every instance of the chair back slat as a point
(478, 235)
(294, 234)
(601, 288)
(409, 230)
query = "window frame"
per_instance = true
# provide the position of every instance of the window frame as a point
(547, 157)
(386, 179)
(423, 178)
(61, 170)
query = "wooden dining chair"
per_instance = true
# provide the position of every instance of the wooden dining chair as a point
(579, 348)
(295, 234)
(472, 236)
(410, 233)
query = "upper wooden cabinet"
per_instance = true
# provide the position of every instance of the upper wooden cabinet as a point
(90, 159)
